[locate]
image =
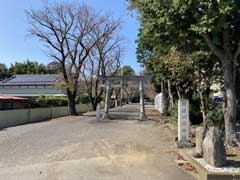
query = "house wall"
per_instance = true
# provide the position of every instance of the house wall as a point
(23, 116)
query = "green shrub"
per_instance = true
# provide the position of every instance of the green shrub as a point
(84, 99)
(215, 116)
(52, 101)
(195, 114)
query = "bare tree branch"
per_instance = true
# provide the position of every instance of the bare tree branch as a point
(70, 32)
(212, 46)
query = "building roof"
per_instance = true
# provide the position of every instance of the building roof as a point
(30, 79)
(3, 97)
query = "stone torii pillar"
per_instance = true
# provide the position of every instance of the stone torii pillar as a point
(116, 99)
(121, 93)
(142, 108)
(107, 100)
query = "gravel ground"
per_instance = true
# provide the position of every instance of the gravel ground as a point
(80, 148)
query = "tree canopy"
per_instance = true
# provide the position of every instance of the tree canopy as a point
(30, 67)
(125, 71)
(27, 67)
(206, 35)
(3, 72)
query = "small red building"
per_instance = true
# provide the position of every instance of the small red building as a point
(13, 102)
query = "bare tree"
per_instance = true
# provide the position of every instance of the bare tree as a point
(103, 60)
(69, 33)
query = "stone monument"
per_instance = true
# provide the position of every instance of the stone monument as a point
(159, 103)
(200, 135)
(213, 148)
(183, 139)
(98, 113)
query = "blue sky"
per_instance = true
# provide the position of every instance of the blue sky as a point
(15, 45)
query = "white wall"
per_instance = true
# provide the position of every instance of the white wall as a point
(158, 102)
(12, 117)
(22, 116)
(59, 111)
(40, 114)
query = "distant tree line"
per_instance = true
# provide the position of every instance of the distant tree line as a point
(28, 67)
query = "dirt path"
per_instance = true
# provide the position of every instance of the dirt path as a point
(79, 148)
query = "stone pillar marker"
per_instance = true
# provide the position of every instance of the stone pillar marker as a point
(98, 113)
(115, 100)
(107, 100)
(142, 109)
(159, 102)
(183, 124)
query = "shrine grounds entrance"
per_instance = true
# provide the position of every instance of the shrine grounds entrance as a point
(121, 82)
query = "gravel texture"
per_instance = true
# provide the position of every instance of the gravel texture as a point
(82, 149)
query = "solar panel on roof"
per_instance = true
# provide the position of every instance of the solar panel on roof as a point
(36, 79)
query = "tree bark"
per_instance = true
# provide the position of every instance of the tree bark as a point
(202, 100)
(72, 102)
(170, 95)
(229, 105)
(93, 103)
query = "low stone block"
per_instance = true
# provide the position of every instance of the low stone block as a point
(213, 148)
(183, 144)
(200, 134)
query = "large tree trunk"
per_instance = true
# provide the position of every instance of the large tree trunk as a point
(170, 95)
(93, 103)
(237, 89)
(72, 102)
(230, 105)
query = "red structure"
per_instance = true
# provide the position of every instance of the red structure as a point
(13, 102)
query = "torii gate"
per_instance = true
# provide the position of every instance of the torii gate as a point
(108, 85)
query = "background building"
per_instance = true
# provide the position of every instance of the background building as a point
(30, 86)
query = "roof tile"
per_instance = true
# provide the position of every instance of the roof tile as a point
(30, 79)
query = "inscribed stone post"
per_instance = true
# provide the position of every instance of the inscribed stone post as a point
(183, 123)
